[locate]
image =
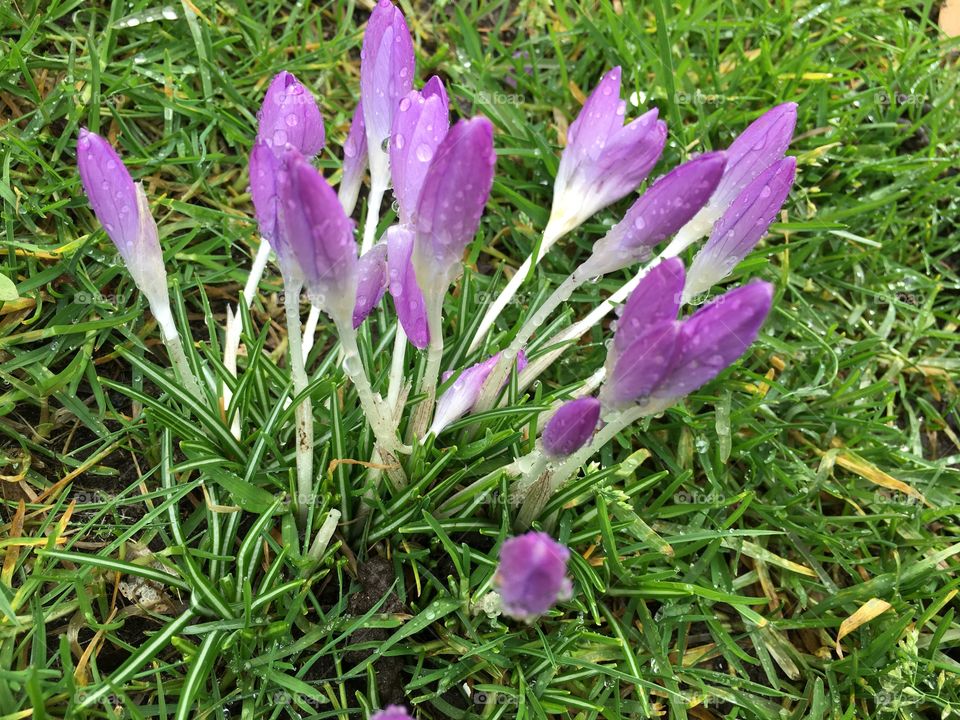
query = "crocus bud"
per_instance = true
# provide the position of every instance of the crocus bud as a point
(419, 125)
(532, 575)
(571, 427)
(402, 281)
(460, 397)
(663, 209)
(641, 367)
(354, 162)
(452, 198)
(604, 160)
(657, 298)
(371, 282)
(121, 207)
(290, 117)
(715, 336)
(386, 75)
(741, 227)
(392, 712)
(320, 236)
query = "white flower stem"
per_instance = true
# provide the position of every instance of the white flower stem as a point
(304, 408)
(420, 418)
(310, 330)
(324, 535)
(397, 368)
(374, 200)
(256, 272)
(178, 357)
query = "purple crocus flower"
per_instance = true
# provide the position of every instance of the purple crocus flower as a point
(392, 712)
(660, 212)
(604, 159)
(371, 282)
(741, 227)
(402, 281)
(571, 427)
(354, 162)
(290, 117)
(459, 398)
(643, 365)
(657, 298)
(532, 575)
(319, 236)
(419, 125)
(121, 207)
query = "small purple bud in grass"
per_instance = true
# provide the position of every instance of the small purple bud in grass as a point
(604, 159)
(319, 234)
(532, 575)
(406, 292)
(763, 143)
(715, 336)
(354, 162)
(641, 367)
(392, 712)
(453, 195)
(121, 207)
(741, 227)
(657, 298)
(571, 427)
(666, 206)
(386, 75)
(419, 126)
(290, 117)
(264, 167)
(458, 399)
(371, 282)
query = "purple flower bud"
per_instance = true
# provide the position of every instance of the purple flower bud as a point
(657, 298)
(453, 195)
(121, 207)
(571, 427)
(354, 162)
(741, 227)
(532, 575)
(264, 167)
(458, 399)
(715, 336)
(319, 234)
(386, 76)
(391, 712)
(754, 150)
(419, 125)
(604, 160)
(402, 281)
(371, 282)
(641, 367)
(290, 117)
(663, 209)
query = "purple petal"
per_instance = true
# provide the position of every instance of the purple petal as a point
(601, 115)
(741, 227)
(290, 117)
(641, 367)
(715, 336)
(371, 282)
(407, 295)
(391, 712)
(459, 398)
(571, 426)
(110, 191)
(354, 161)
(419, 126)
(532, 575)
(656, 299)
(386, 70)
(319, 234)
(454, 192)
(661, 211)
(764, 142)
(434, 88)
(264, 167)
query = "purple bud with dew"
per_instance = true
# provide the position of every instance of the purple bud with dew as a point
(655, 299)
(458, 399)
(604, 160)
(354, 162)
(319, 235)
(392, 712)
(666, 206)
(741, 227)
(641, 367)
(371, 282)
(532, 575)
(571, 427)
(402, 281)
(290, 117)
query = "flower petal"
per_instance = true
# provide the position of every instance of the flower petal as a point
(656, 299)
(532, 575)
(459, 398)
(391, 712)
(641, 367)
(354, 162)
(571, 426)
(419, 126)
(601, 115)
(290, 117)
(402, 281)
(371, 282)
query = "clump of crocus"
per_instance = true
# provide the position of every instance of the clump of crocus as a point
(122, 208)
(532, 575)
(392, 712)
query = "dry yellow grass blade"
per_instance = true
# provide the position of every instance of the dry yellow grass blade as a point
(867, 612)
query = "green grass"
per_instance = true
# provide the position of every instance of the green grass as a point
(712, 577)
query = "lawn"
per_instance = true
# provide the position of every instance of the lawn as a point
(782, 543)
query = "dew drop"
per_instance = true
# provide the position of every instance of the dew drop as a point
(291, 120)
(398, 141)
(424, 153)
(405, 104)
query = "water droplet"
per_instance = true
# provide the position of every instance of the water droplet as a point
(639, 223)
(424, 152)
(398, 141)
(280, 137)
(291, 120)
(405, 104)
(765, 192)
